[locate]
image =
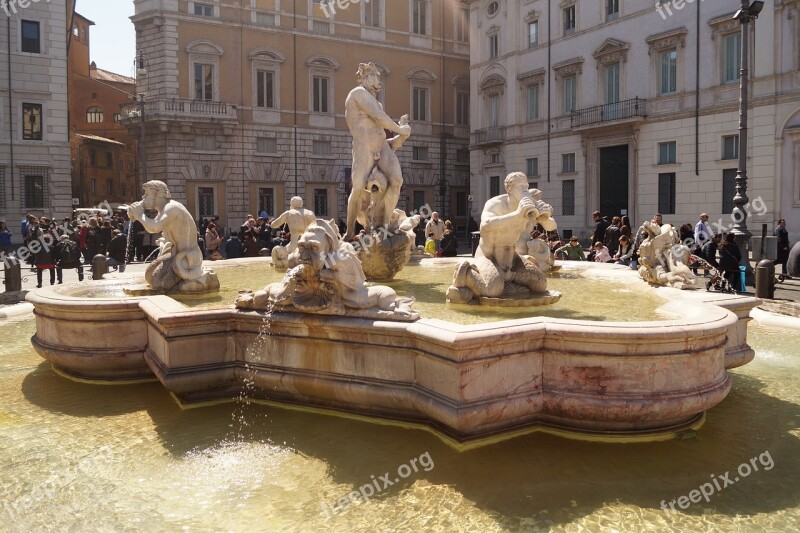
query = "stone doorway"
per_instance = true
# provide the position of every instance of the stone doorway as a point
(614, 180)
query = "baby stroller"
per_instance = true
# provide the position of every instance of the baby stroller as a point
(717, 281)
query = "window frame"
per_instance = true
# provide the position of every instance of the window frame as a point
(94, 115)
(568, 162)
(670, 154)
(737, 53)
(532, 162)
(533, 24)
(22, 39)
(415, 24)
(569, 19)
(29, 199)
(416, 102)
(568, 198)
(321, 103)
(32, 136)
(672, 69)
(735, 147)
(666, 205)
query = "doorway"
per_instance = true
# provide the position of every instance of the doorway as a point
(614, 180)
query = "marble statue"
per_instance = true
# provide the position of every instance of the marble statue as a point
(539, 252)
(326, 278)
(179, 265)
(499, 275)
(298, 219)
(371, 150)
(663, 259)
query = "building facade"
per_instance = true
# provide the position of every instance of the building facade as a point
(34, 142)
(629, 108)
(244, 103)
(103, 152)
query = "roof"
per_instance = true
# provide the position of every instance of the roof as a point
(105, 75)
(98, 139)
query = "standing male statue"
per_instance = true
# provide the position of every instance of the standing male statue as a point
(367, 121)
(179, 265)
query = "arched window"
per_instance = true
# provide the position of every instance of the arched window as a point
(94, 115)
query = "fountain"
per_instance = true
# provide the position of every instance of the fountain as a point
(663, 259)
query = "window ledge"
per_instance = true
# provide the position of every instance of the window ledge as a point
(667, 165)
(205, 152)
(568, 174)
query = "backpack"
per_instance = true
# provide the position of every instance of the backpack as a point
(69, 252)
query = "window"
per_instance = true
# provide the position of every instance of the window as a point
(321, 94)
(666, 193)
(419, 17)
(568, 162)
(319, 26)
(31, 37)
(205, 10)
(372, 14)
(265, 89)
(494, 159)
(265, 19)
(110, 160)
(533, 102)
(205, 143)
(668, 72)
(266, 199)
(533, 33)
(203, 82)
(612, 84)
(667, 153)
(568, 197)
(462, 108)
(494, 111)
(731, 62)
(34, 191)
(419, 200)
(2, 187)
(321, 202)
(205, 202)
(532, 166)
(493, 8)
(462, 24)
(569, 20)
(419, 110)
(92, 158)
(116, 118)
(266, 145)
(493, 46)
(419, 153)
(570, 93)
(94, 115)
(494, 186)
(612, 9)
(728, 189)
(462, 155)
(730, 147)
(110, 186)
(321, 147)
(32, 122)
(93, 185)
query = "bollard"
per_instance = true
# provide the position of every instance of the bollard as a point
(765, 279)
(13, 273)
(99, 266)
(265, 252)
(476, 239)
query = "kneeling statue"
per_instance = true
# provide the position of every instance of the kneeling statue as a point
(499, 274)
(325, 276)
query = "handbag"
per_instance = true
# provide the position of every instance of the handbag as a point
(216, 256)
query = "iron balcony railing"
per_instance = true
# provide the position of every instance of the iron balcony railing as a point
(490, 135)
(178, 108)
(635, 107)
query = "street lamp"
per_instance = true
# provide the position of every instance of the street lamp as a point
(141, 74)
(748, 11)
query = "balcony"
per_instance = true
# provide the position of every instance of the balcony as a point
(632, 110)
(179, 109)
(489, 136)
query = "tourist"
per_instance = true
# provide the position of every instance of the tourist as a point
(67, 255)
(612, 235)
(449, 245)
(701, 232)
(599, 233)
(117, 250)
(708, 252)
(435, 230)
(573, 250)
(250, 244)
(212, 241)
(624, 251)
(5, 238)
(625, 227)
(44, 257)
(601, 254)
(783, 246)
(729, 258)
(92, 241)
(106, 234)
(233, 246)
(265, 233)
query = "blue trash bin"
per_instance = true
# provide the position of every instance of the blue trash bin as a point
(742, 278)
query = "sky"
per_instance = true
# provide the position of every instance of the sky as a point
(113, 39)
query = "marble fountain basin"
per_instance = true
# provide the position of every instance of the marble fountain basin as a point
(645, 380)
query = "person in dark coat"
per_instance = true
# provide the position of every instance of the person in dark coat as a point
(449, 245)
(611, 236)
(233, 246)
(116, 250)
(44, 257)
(783, 245)
(599, 234)
(729, 257)
(709, 250)
(250, 245)
(67, 255)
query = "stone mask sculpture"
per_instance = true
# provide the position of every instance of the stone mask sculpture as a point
(179, 265)
(325, 276)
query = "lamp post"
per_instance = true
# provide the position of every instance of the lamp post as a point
(141, 73)
(749, 11)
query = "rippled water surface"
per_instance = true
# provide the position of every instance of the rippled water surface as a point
(79, 457)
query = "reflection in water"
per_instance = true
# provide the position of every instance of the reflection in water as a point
(84, 457)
